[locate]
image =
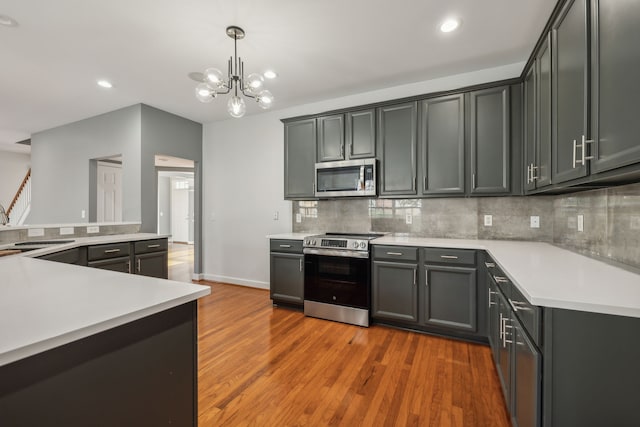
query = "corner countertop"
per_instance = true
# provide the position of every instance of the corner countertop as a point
(45, 304)
(550, 276)
(291, 236)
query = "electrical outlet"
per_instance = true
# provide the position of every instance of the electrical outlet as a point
(535, 221)
(580, 222)
(488, 220)
(66, 230)
(298, 218)
(93, 229)
(35, 232)
(83, 213)
(408, 218)
(276, 215)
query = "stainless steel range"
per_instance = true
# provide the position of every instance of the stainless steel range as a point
(337, 277)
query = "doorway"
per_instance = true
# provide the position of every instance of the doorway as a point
(105, 183)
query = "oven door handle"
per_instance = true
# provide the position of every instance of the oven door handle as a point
(336, 252)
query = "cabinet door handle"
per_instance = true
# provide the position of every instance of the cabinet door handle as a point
(415, 275)
(395, 253)
(129, 267)
(575, 147)
(426, 277)
(528, 174)
(153, 246)
(473, 181)
(300, 264)
(500, 279)
(285, 246)
(342, 150)
(533, 172)
(489, 264)
(448, 256)
(350, 149)
(111, 251)
(505, 341)
(519, 305)
(424, 184)
(491, 293)
(138, 265)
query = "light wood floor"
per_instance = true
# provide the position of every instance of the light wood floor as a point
(265, 366)
(180, 262)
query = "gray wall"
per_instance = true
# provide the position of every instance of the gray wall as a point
(13, 168)
(171, 135)
(164, 204)
(60, 165)
(611, 219)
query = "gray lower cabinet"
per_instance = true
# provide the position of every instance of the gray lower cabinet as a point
(287, 272)
(151, 258)
(442, 145)
(527, 374)
(490, 141)
(395, 291)
(570, 92)
(77, 256)
(121, 264)
(397, 149)
(450, 297)
(111, 256)
(299, 159)
(615, 87)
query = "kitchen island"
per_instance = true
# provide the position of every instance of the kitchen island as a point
(83, 346)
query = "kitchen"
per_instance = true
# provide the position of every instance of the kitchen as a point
(234, 227)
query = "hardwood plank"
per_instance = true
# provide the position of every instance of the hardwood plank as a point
(266, 366)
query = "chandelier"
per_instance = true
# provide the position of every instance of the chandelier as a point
(251, 86)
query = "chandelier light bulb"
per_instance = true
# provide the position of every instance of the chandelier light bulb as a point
(204, 93)
(213, 76)
(265, 99)
(236, 107)
(254, 83)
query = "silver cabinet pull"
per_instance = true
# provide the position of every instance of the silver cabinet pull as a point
(426, 277)
(491, 293)
(350, 149)
(448, 256)
(575, 148)
(285, 246)
(154, 246)
(505, 341)
(533, 172)
(528, 174)
(300, 264)
(519, 305)
(138, 267)
(473, 181)
(489, 264)
(415, 274)
(342, 150)
(395, 253)
(129, 267)
(500, 279)
(424, 184)
(583, 149)
(111, 251)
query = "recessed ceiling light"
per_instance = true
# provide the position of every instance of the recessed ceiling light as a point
(8, 21)
(105, 84)
(449, 25)
(270, 74)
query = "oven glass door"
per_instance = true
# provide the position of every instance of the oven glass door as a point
(337, 280)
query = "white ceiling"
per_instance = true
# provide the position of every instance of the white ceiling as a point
(320, 49)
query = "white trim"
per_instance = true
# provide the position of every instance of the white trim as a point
(197, 276)
(236, 281)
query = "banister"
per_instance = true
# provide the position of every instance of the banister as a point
(15, 198)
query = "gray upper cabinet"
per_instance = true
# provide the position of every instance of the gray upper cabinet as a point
(299, 159)
(570, 97)
(615, 83)
(330, 138)
(397, 149)
(490, 141)
(361, 134)
(537, 120)
(442, 141)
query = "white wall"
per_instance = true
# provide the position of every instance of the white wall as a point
(243, 175)
(13, 168)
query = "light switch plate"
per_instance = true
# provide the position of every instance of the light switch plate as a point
(488, 220)
(298, 218)
(408, 218)
(93, 229)
(580, 222)
(276, 215)
(35, 232)
(64, 231)
(535, 221)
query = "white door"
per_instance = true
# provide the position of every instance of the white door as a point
(109, 194)
(180, 210)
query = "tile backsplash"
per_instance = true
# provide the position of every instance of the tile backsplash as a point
(611, 219)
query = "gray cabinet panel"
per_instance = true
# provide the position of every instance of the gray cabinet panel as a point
(396, 141)
(442, 145)
(110, 250)
(542, 175)
(361, 134)
(154, 264)
(121, 264)
(570, 73)
(330, 138)
(615, 83)
(504, 347)
(527, 362)
(77, 256)
(395, 291)
(450, 297)
(490, 141)
(299, 159)
(287, 278)
(530, 127)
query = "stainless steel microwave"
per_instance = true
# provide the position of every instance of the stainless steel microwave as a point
(346, 178)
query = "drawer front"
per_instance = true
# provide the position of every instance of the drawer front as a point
(450, 256)
(528, 314)
(155, 245)
(111, 250)
(293, 246)
(395, 253)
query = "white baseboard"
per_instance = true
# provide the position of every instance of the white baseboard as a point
(236, 281)
(198, 276)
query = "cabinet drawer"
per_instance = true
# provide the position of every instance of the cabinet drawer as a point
(111, 250)
(450, 256)
(294, 246)
(395, 253)
(528, 314)
(154, 245)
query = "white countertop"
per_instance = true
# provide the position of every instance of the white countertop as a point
(291, 236)
(45, 304)
(549, 276)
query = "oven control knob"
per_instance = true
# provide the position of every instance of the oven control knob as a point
(313, 242)
(355, 245)
(363, 245)
(307, 242)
